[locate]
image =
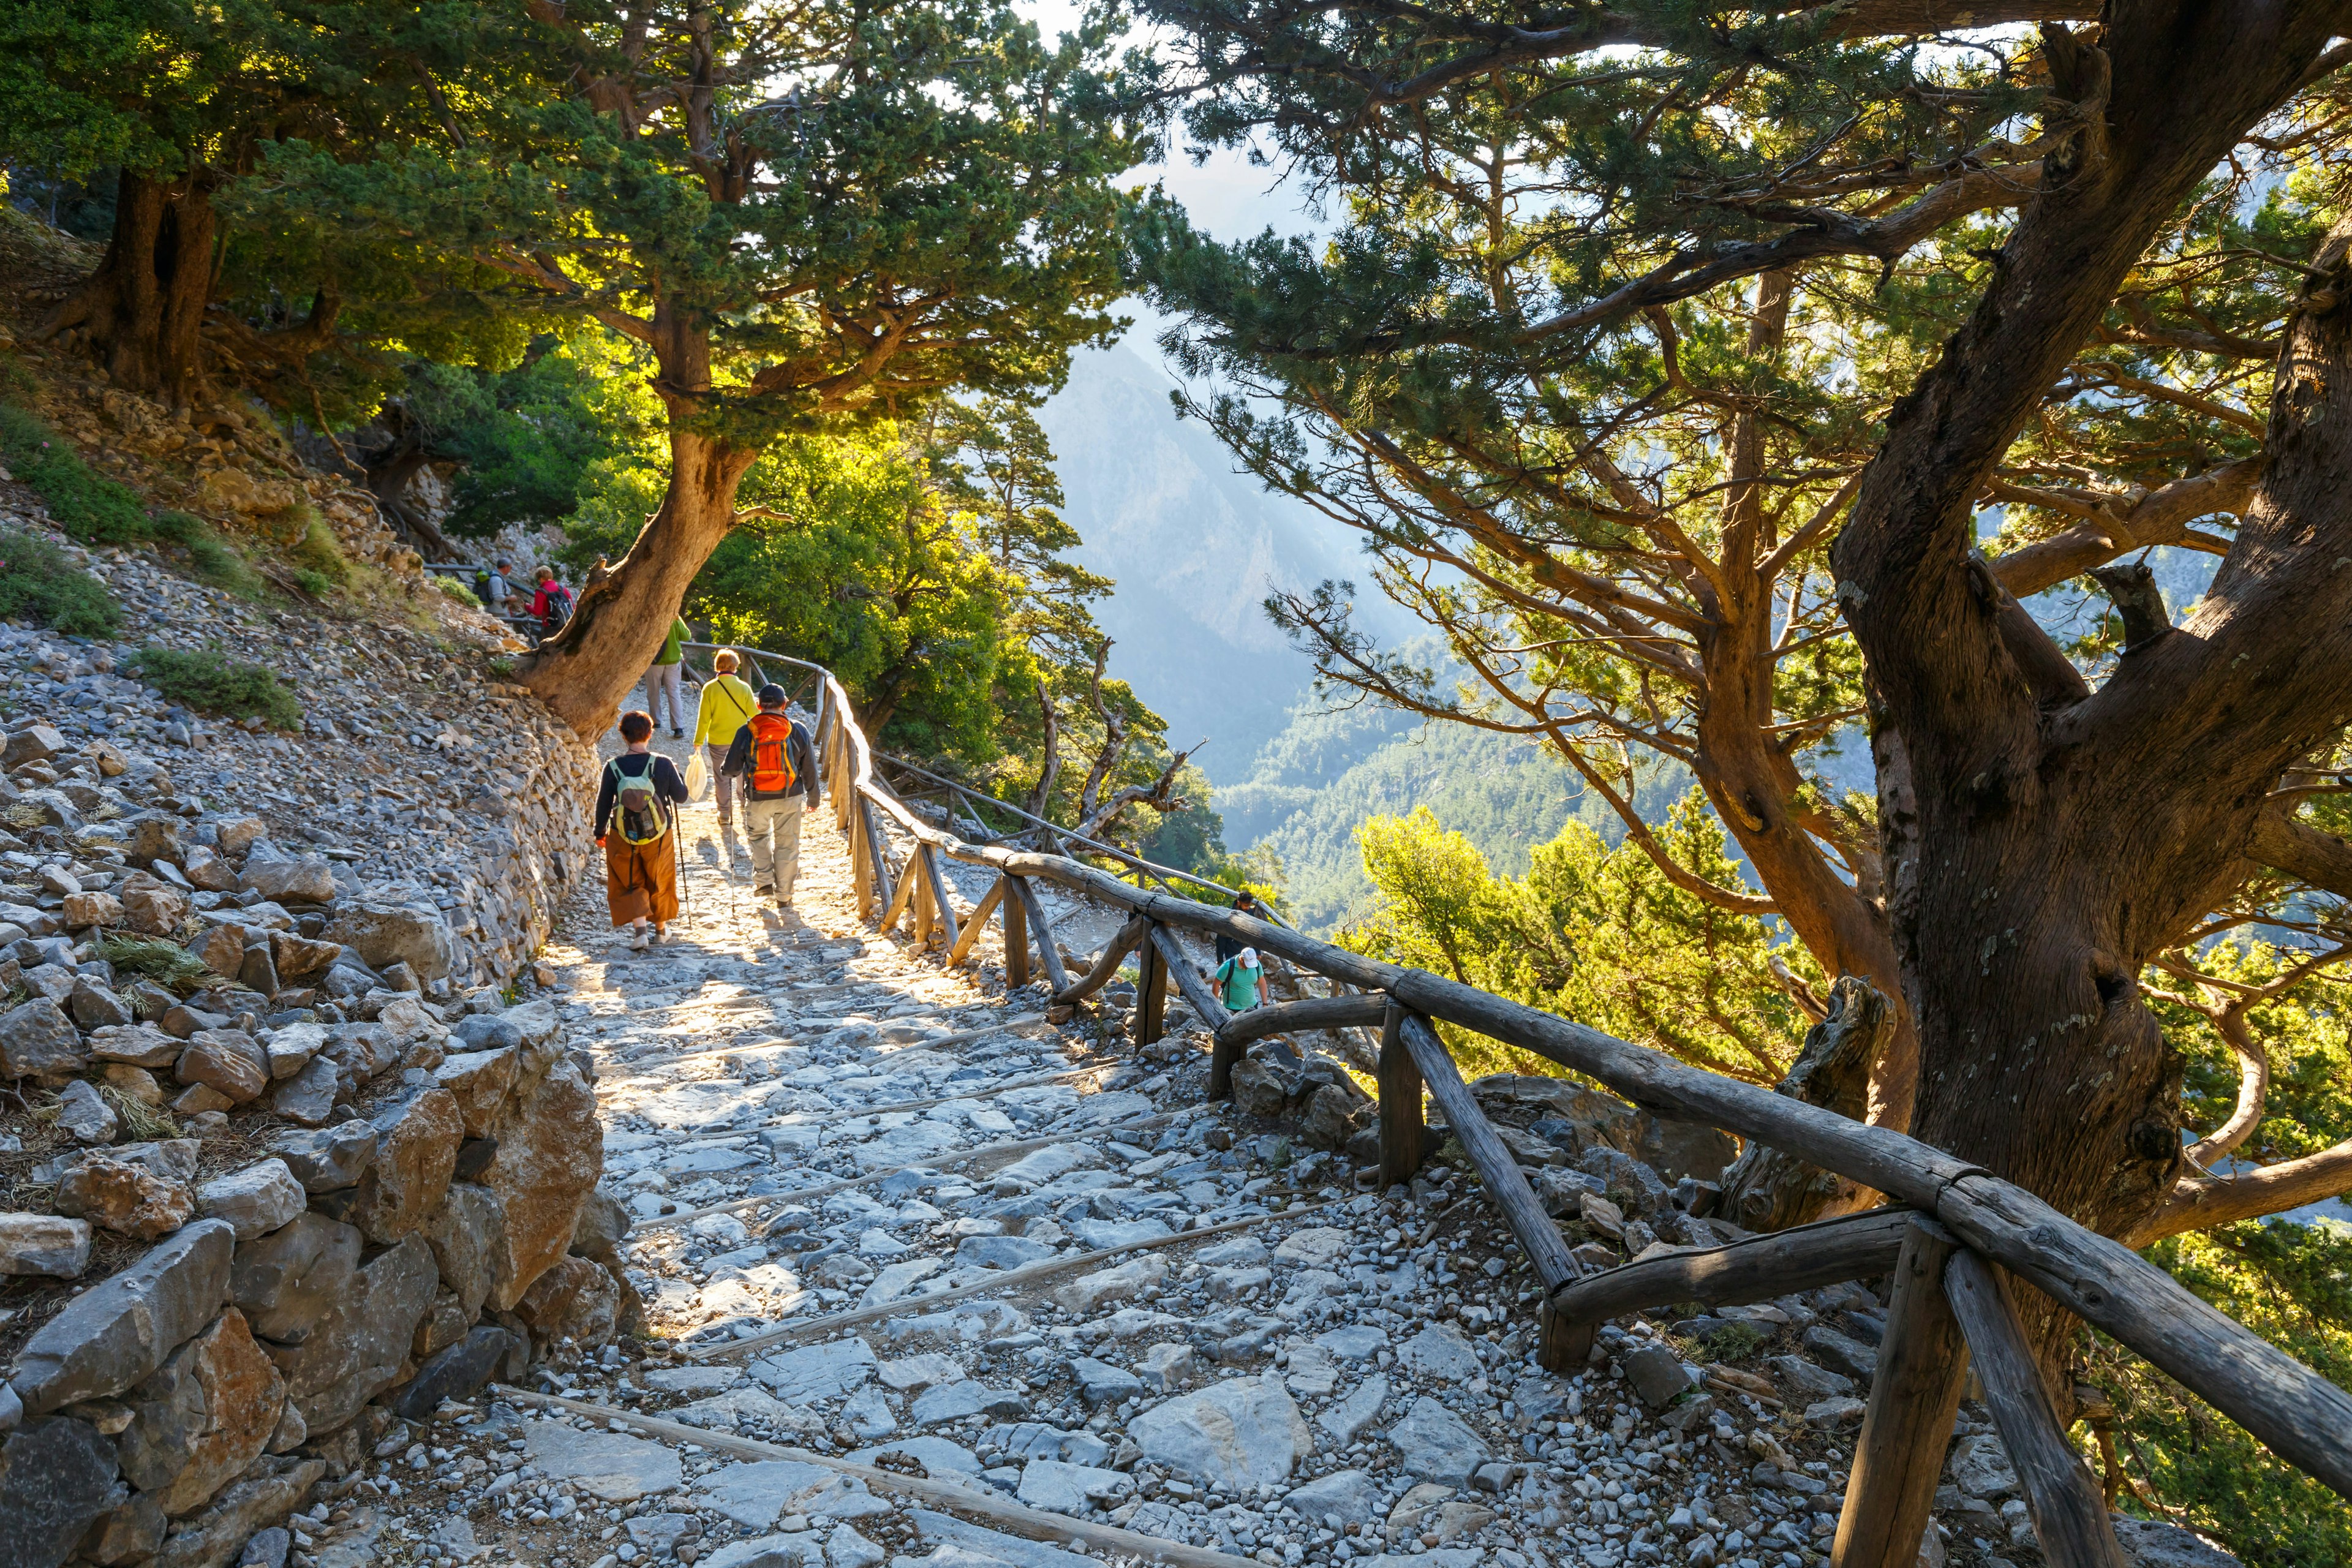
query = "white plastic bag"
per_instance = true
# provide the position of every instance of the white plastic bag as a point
(698, 775)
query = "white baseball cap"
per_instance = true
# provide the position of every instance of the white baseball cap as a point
(1249, 958)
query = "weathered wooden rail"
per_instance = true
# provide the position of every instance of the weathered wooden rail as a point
(1949, 1232)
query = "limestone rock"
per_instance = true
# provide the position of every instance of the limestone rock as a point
(308, 1098)
(81, 1112)
(153, 836)
(2149, 1545)
(244, 1507)
(129, 1534)
(573, 1299)
(383, 935)
(288, 1281)
(456, 1372)
(1349, 1497)
(206, 870)
(229, 1062)
(37, 1040)
(153, 911)
(116, 1332)
(57, 1478)
(331, 1158)
(416, 1155)
(138, 1045)
(254, 1201)
(467, 1234)
(551, 1154)
(607, 1465)
(204, 1416)
(361, 1347)
(44, 1243)
(32, 743)
(1083, 1294)
(290, 1048)
(1441, 1351)
(1433, 1443)
(480, 1080)
(235, 838)
(1242, 1432)
(1979, 1467)
(124, 1196)
(95, 1006)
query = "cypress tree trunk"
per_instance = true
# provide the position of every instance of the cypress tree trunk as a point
(144, 308)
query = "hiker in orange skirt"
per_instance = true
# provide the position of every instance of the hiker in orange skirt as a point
(636, 822)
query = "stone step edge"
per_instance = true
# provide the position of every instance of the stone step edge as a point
(962, 1037)
(1017, 1146)
(1035, 1523)
(1010, 1280)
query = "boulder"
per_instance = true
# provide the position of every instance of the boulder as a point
(383, 935)
(308, 1098)
(86, 909)
(1679, 1149)
(206, 871)
(202, 1417)
(57, 1478)
(266, 1494)
(1658, 1376)
(1332, 1117)
(288, 1281)
(255, 971)
(124, 1196)
(361, 1347)
(43, 1244)
(229, 1062)
(467, 1234)
(32, 743)
(153, 911)
(139, 1045)
(1243, 1432)
(551, 1154)
(96, 1006)
(82, 1114)
(573, 1299)
(456, 1373)
(415, 1152)
(308, 881)
(153, 836)
(129, 1534)
(220, 949)
(2148, 1543)
(290, 1048)
(481, 1081)
(254, 1201)
(38, 1041)
(235, 837)
(331, 1158)
(113, 1334)
(487, 1032)
(299, 957)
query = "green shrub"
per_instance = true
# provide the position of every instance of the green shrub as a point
(87, 505)
(457, 591)
(161, 962)
(211, 682)
(38, 584)
(318, 557)
(1735, 1342)
(216, 562)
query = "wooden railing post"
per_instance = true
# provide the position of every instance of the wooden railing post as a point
(943, 915)
(1151, 994)
(2069, 1513)
(1016, 934)
(1049, 955)
(970, 937)
(1399, 1089)
(1178, 968)
(1923, 1362)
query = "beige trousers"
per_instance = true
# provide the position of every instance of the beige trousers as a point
(775, 865)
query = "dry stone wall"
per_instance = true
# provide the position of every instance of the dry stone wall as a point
(290, 1146)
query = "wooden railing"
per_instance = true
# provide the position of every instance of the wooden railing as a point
(1949, 1234)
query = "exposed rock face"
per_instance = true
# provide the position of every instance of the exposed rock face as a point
(115, 1334)
(361, 1347)
(384, 936)
(468, 1236)
(288, 1281)
(204, 1416)
(574, 1300)
(415, 1152)
(550, 1152)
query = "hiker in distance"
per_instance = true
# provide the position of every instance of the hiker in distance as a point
(727, 705)
(775, 757)
(636, 826)
(663, 679)
(1245, 903)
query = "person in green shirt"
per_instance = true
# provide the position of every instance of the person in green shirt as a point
(664, 677)
(1241, 981)
(727, 706)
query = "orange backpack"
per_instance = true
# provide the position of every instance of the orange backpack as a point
(772, 754)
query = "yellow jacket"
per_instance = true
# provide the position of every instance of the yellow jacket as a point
(726, 706)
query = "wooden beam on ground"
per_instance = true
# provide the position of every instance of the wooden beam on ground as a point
(1923, 1362)
(1197, 995)
(1400, 1087)
(1757, 1268)
(1128, 937)
(1010, 1280)
(1300, 1018)
(1151, 996)
(1049, 953)
(2069, 1513)
(1016, 932)
(1538, 1237)
(972, 927)
(989, 1507)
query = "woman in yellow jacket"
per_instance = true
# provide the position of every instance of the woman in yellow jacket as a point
(726, 706)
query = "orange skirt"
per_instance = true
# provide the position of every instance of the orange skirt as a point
(641, 880)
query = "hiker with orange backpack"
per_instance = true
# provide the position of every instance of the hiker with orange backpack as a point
(774, 757)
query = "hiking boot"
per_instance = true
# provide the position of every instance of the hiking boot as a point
(641, 941)
(677, 734)
(764, 890)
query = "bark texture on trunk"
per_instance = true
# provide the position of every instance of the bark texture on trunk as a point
(2044, 842)
(144, 308)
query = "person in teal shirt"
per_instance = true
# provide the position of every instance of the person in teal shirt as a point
(664, 677)
(1241, 981)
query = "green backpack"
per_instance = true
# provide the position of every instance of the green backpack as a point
(638, 814)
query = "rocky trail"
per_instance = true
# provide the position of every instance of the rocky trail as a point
(927, 1280)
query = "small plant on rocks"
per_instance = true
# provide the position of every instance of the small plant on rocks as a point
(38, 584)
(211, 682)
(158, 961)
